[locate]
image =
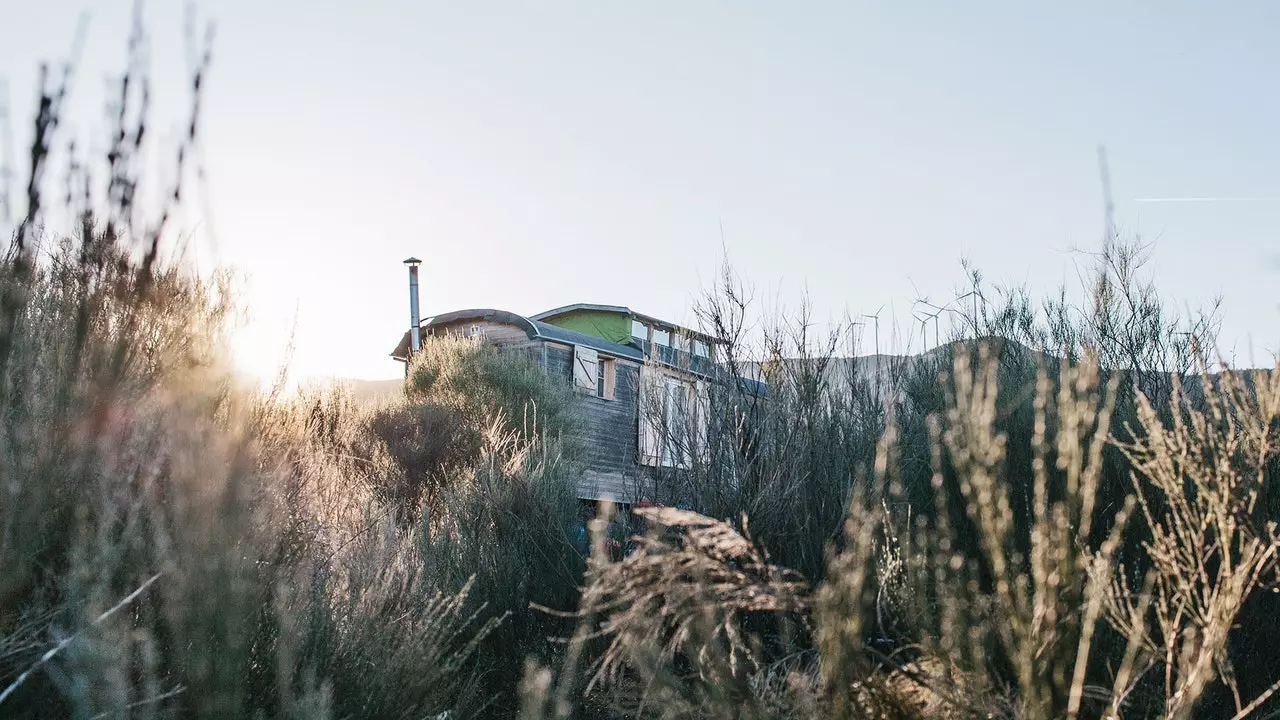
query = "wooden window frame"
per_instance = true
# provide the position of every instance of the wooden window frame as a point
(606, 370)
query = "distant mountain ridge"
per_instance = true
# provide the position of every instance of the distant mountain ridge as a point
(842, 372)
(839, 370)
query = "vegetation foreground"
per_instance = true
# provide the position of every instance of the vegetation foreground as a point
(1069, 518)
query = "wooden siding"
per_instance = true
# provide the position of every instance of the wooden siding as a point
(625, 488)
(608, 432)
(493, 332)
(559, 361)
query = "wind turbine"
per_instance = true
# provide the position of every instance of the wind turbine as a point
(857, 324)
(938, 310)
(976, 293)
(876, 318)
(937, 336)
(923, 319)
(1108, 204)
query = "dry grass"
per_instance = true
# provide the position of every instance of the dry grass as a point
(1211, 546)
(172, 545)
(691, 619)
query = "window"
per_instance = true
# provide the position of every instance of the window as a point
(661, 337)
(474, 331)
(604, 378)
(673, 413)
(701, 419)
(676, 436)
(586, 365)
(649, 404)
(639, 331)
(700, 349)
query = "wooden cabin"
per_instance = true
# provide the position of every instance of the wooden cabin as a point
(643, 382)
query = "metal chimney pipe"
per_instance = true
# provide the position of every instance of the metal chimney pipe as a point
(415, 329)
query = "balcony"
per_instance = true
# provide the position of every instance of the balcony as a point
(672, 357)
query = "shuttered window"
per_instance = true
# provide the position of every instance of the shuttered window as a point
(585, 368)
(677, 426)
(649, 404)
(702, 417)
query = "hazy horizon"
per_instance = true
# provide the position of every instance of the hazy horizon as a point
(536, 156)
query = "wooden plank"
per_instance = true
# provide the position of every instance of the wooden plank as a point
(585, 360)
(559, 361)
(615, 487)
(608, 430)
(492, 332)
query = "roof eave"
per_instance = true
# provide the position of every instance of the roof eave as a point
(622, 309)
(666, 325)
(581, 307)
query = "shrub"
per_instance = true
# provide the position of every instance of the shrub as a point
(999, 632)
(479, 383)
(170, 544)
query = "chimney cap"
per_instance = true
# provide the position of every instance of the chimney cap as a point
(413, 261)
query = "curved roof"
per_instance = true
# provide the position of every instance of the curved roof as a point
(532, 328)
(500, 316)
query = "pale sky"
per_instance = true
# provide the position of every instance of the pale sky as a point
(542, 153)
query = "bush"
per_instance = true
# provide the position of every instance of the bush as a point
(173, 545)
(479, 383)
(1010, 629)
